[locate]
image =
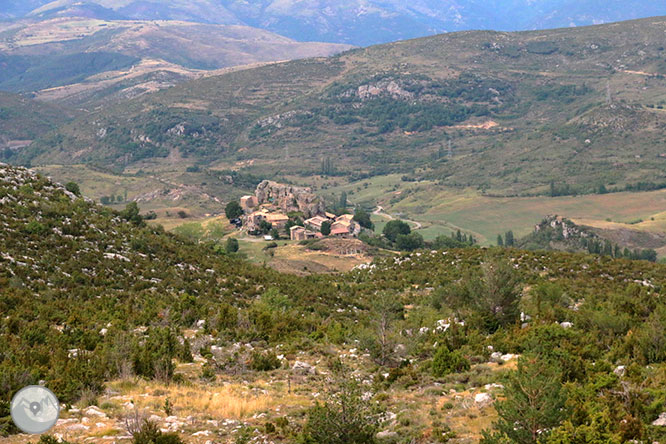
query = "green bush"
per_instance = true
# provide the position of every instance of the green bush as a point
(151, 434)
(264, 362)
(446, 361)
(73, 187)
(395, 228)
(233, 210)
(343, 419)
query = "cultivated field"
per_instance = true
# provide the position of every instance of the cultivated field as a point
(442, 209)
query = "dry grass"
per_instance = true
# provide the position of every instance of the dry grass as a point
(231, 401)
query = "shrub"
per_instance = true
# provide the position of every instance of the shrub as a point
(48, 439)
(232, 245)
(264, 362)
(344, 419)
(150, 433)
(73, 188)
(445, 362)
(409, 242)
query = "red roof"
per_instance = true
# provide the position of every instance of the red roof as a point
(339, 230)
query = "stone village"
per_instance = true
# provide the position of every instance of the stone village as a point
(295, 211)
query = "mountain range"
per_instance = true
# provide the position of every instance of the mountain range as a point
(80, 60)
(356, 22)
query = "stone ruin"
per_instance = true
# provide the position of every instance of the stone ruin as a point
(290, 198)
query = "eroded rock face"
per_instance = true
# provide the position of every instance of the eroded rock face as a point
(290, 198)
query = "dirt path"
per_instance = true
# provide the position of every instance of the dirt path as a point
(380, 212)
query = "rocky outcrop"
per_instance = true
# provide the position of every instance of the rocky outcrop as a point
(290, 198)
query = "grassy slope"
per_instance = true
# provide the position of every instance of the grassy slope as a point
(24, 119)
(62, 282)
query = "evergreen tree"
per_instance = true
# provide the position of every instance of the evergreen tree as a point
(131, 214)
(500, 242)
(326, 228)
(233, 210)
(534, 404)
(343, 201)
(327, 168)
(508, 239)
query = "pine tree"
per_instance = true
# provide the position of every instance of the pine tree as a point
(534, 403)
(500, 242)
(508, 239)
(343, 201)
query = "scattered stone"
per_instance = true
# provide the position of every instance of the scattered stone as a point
(386, 434)
(661, 421)
(620, 370)
(566, 325)
(94, 411)
(304, 368)
(483, 399)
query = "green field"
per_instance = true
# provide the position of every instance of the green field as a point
(442, 210)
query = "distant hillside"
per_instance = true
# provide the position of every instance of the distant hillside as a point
(557, 233)
(550, 112)
(358, 22)
(104, 57)
(363, 23)
(23, 119)
(201, 11)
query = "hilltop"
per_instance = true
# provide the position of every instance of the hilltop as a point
(548, 112)
(557, 233)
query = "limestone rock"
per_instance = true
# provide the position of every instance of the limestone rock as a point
(304, 368)
(94, 411)
(290, 198)
(661, 421)
(483, 399)
(385, 434)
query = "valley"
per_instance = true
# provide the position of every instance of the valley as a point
(553, 118)
(214, 233)
(199, 345)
